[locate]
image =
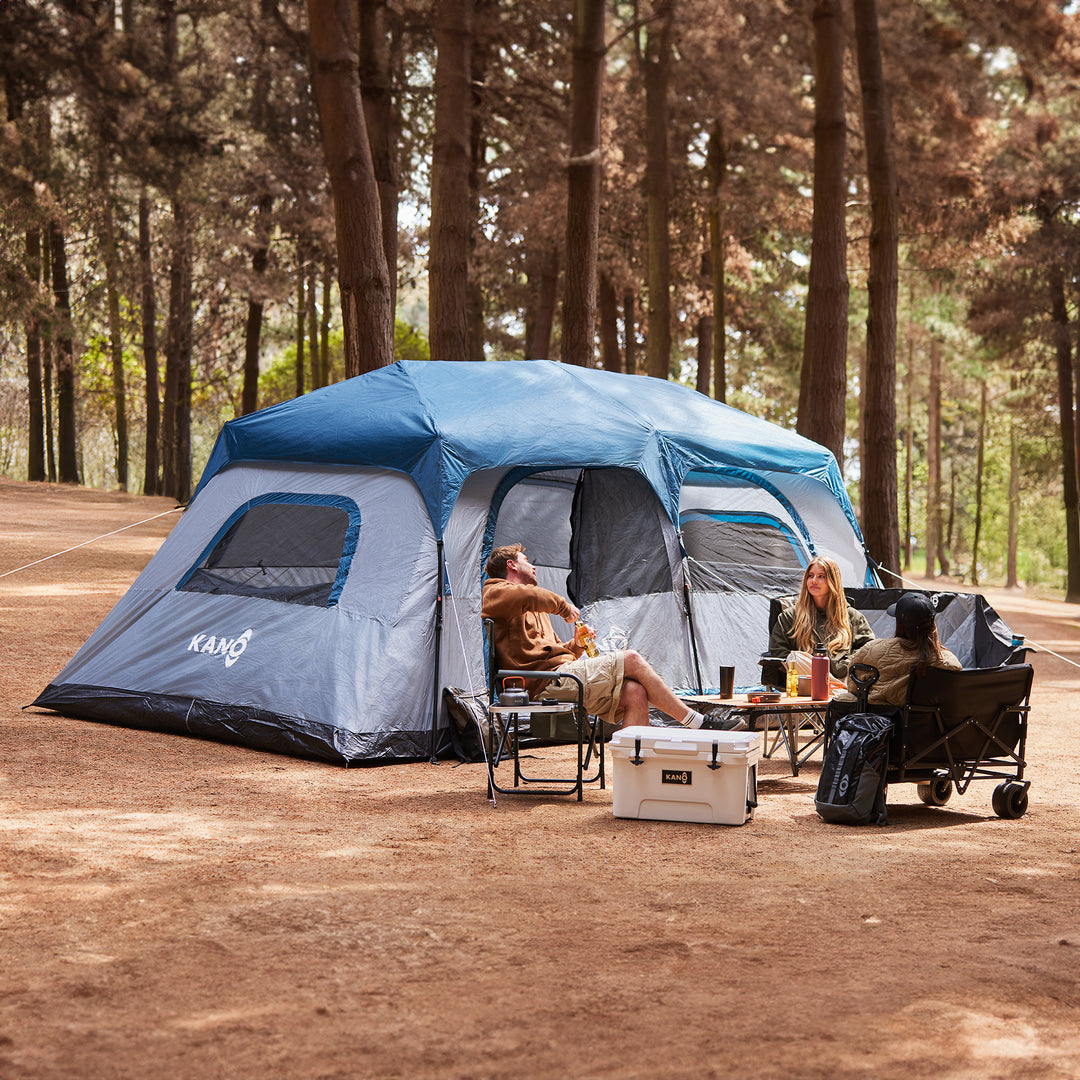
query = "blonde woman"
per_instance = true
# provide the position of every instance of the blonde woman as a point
(821, 614)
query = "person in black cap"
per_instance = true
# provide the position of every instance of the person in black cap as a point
(916, 645)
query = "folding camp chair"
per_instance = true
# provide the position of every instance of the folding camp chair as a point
(518, 726)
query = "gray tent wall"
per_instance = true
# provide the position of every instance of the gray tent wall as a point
(601, 537)
(341, 681)
(730, 584)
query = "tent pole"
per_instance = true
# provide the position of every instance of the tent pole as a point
(690, 624)
(438, 651)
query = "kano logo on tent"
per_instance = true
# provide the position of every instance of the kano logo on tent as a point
(229, 651)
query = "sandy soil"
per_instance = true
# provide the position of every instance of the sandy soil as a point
(174, 908)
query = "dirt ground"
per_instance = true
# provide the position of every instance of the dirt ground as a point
(174, 908)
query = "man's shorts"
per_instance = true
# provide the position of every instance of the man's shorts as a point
(603, 679)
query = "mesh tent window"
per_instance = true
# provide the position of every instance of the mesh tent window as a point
(282, 546)
(733, 550)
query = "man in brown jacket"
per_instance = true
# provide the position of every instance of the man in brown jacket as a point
(619, 686)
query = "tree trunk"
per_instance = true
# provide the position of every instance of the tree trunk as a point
(366, 312)
(484, 11)
(657, 72)
(630, 333)
(116, 344)
(946, 534)
(30, 147)
(863, 502)
(583, 185)
(152, 470)
(1011, 579)
(879, 464)
(182, 490)
(448, 273)
(299, 335)
(47, 364)
(1072, 573)
(324, 329)
(716, 171)
(543, 275)
(35, 435)
(909, 440)
(704, 352)
(67, 463)
(933, 461)
(176, 422)
(823, 385)
(378, 48)
(609, 325)
(260, 260)
(313, 326)
(1059, 317)
(979, 460)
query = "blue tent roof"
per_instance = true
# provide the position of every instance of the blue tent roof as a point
(439, 421)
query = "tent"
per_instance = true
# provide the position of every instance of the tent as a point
(324, 582)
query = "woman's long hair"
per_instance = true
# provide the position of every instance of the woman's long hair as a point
(923, 638)
(836, 614)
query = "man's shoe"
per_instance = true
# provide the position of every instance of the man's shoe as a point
(730, 723)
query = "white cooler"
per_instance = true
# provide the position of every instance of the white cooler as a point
(677, 774)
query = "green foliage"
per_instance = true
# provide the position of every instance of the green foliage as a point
(409, 343)
(277, 382)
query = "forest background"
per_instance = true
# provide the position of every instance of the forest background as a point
(856, 218)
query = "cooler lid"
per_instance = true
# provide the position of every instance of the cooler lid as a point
(679, 740)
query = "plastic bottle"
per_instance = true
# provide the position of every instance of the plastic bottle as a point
(587, 638)
(792, 680)
(819, 673)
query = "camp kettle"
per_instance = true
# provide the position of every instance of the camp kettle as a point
(511, 695)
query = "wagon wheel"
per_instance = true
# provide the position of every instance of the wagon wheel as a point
(936, 792)
(1010, 800)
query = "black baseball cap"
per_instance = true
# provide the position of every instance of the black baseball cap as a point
(913, 609)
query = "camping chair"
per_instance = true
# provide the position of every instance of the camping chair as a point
(539, 724)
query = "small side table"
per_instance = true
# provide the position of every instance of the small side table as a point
(590, 741)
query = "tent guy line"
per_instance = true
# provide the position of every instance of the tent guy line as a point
(57, 554)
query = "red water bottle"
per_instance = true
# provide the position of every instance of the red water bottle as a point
(819, 674)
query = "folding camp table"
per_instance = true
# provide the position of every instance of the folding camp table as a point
(791, 714)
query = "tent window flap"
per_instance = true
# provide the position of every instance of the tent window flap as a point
(295, 549)
(619, 546)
